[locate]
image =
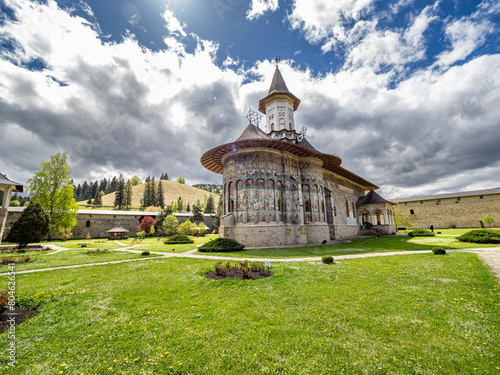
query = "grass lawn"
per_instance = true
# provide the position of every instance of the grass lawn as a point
(47, 259)
(153, 244)
(389, 315)
(358, 246)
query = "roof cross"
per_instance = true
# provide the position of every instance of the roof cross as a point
(253, 117)
(277, 59)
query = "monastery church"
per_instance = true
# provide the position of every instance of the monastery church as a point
(279, 190)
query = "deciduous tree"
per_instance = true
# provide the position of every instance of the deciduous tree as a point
(52, 188)
(170, 225)
(146, 223)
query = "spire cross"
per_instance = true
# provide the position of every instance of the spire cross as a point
(303, 131)
(277, 59)
(253, 117)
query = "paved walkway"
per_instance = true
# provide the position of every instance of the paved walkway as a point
(490, 255)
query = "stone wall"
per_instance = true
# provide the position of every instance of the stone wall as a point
(464, 212)
(97, 223)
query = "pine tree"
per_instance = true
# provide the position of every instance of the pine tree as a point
(188, 208)
(180, 204)
(98, 198)
(120, 193)
(209, 206)
(160, 199)
(152, 192)
(197, 215)
(113, 185)
(146, 194)
(128, 194)
(85, 194)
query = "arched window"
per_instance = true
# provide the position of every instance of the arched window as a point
(307, 206)
(272, 126)
(87, 224)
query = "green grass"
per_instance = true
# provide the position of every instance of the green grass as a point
(47, 259)
(388, 315)
(153, 244)
(358, 246)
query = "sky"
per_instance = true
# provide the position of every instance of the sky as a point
(406, 92)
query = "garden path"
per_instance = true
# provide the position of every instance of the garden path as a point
(490, 255)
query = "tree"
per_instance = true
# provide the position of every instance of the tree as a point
(146, 223)
(218, 213)
(180, 204)
(98, 198)
(160, 196)
(120, 198)
(488, 219)
(209, 207)
(170, 225)
(180, 180)
(32, 225)
(197, 215)
(52, 188)
(152, 192)
(135, 181)
(128, 194)
(187, 228)
(188, 208)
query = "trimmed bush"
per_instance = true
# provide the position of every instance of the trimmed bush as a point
(145, 253)
(439, 251)
(420, 233)
(221, 245)
(327, 259)
(178, 239)
(481, 236)
(481, 224)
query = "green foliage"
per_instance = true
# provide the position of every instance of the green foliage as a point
(180, 180)
(145, 253)
(9, 259)
(202, 230)
(32, 225)
(209, 206)
(178, 239)
(439, 251)
(327, 259)
(180, 204)
(52, 188)
(152, 230)
(135, 181)
(221, 245)
(218, 213)
(14, 203)
(420, 233)
(197, 213)
(141, 234)
(244, 268)
(97, 251)
(170, 225)
(64, 234)
(481, 236)
(488, 219)
(120, 194)
(481, 224)
(188, 228)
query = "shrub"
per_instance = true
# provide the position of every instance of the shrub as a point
(145, 253)
(257, 266)
(7, 260)
(187, 228)
(481, 224)
(219, 270)
(327, 259)
(439, 251)
(21, 251)
(245, 270)
(32, 226)
(178, 239)
(170, 225)
(420, 233)
(97, 251)
(221, 245)
(141, 235)
(4, 298)
(481, 236)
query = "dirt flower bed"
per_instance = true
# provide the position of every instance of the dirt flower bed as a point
(18, 313)
(242, 270)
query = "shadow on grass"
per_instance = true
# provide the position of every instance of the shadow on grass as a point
(357, 246)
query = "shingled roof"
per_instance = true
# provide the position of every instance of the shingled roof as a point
(252, 132)
(371, 198)
(18, 188)
(278, 83)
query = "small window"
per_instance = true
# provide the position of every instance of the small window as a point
(421, 202)
(480, 197)
(412, 212)
(334, 211)
(347, 208)
(405, 203)
(458, 199)
(87, 224)
(353, 210)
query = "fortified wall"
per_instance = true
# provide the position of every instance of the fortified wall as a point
(454, 210)
(97, 222)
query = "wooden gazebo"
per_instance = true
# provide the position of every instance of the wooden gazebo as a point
(117, 233)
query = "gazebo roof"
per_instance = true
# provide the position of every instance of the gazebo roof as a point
(118, 229)
(18, 188)
(371, 198)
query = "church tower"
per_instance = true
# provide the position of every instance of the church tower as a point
(279, 106)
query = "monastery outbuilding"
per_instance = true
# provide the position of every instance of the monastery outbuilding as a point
(279, 190)
(8, 187)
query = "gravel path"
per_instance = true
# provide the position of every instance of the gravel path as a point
(490, 255)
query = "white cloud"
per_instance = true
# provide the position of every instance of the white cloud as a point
(173, 24)
(465, 35)
(259, 7)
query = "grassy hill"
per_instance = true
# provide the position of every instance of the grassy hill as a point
(171, 189)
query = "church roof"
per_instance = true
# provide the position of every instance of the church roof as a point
(18, 188)
(278, 87)
(305, 143)
(278, 83)
(253, 137)
(252, 132)
(371, 198)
